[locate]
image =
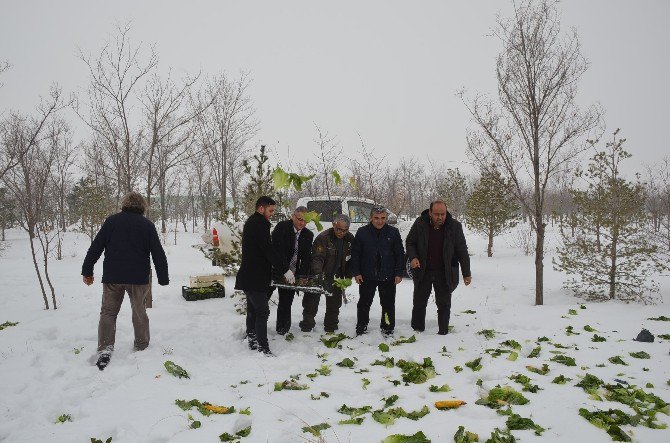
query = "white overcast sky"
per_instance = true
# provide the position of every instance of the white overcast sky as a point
(388, 70)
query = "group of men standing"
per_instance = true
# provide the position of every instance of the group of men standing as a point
(375, 258)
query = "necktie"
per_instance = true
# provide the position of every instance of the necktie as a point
(294, 259)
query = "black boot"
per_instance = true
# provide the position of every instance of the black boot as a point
(103, 360)
(253, 342)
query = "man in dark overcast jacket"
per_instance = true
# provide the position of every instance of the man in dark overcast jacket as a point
(377, 262)
(435, 248)
(293, 241)
(255, 274)
(128, 238)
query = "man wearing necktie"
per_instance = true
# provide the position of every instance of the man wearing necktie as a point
(292, 240)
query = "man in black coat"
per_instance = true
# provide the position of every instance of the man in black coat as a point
(255, 274)
(293, 241)
(377, 261)
(128, 238)
(435, 248)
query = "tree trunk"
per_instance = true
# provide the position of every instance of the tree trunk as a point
(31, 235)
(539, 264)
(489, 249)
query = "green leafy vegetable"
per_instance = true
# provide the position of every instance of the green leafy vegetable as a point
(384, 347)
(458, 369)
(289, 336)
(352, 421)
(535, 352)
(588, 328)
(664, 336)
(419, 437)
(469, 311)
(463, 436)
(487, 333)
(342, 283)
(390, 400)
(413, 372)
(290, 385)
(195, 424)
(354, 412)
(660, 318)
(7, 324)
(474, 364)
(63, 418)
(516, 422)
(366, 382)
(526, 382)
(498, 436)
(513, 356)
(564, 359)
(499, 397)
(443, 388)
(640, 354)
(346, 363)
(511, 344)
(609, 421)
(590, 383)
(544, 370)
(333, 341)
(403, 340)
(313, 216)
(572, 312)
(616, 360)
(561, 380)
(597, 338)
(315, 430)
(389, 362)
(175, 369)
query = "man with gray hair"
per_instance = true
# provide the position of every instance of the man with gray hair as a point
(293, 241)
(330, 258)
(128, 238)
(377, 262)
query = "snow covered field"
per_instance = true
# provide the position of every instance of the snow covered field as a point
(42, 374)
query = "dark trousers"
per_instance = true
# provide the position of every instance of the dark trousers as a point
(366, 292)
(112, 297)
(258, 312)
(432, 279)
(284, 310)
(310, 306)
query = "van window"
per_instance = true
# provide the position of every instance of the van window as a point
(327, 208)
(359, 212)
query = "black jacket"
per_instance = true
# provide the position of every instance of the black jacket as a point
(455, 248)
(324, 255)
(127, 239)
(283, 240)
(378, 257)
(258, 256)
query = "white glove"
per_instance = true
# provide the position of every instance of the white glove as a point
(290, 278)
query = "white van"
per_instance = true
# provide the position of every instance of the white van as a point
(358, 210)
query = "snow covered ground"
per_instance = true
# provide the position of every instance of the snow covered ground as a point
(42, 376)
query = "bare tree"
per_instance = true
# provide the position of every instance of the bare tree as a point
(367, 170)
(15, 141)
(29, 183)
(115, 78)
(168, 117)
(65, 156)
(536, 125)
(327, 154)
(225, 127)
(4, 66)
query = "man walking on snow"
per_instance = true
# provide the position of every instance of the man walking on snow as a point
(435, 247)
(255, 274)
(128, 238)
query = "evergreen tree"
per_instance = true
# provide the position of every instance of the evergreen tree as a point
(260, 180)
(610, 255)
(491, 209)
(91, 204)
(7, 208)
(453, 189)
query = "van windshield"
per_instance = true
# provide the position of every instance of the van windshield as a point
(359, 212)
(327, 208)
